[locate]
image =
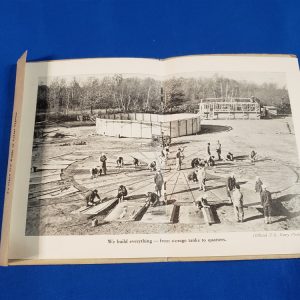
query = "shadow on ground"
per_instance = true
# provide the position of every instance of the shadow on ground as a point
(214, 128)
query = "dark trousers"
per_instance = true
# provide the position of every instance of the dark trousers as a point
(267, 211)
(104, 169)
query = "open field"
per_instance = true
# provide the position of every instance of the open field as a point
(55, 200)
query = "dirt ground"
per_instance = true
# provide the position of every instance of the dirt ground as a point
(277, 165)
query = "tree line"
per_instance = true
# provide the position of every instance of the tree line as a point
(127, 94)
(189, 91)
(115, 92)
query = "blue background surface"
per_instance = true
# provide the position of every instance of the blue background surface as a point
(76, 29)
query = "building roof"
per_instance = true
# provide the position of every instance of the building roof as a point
(230, 100)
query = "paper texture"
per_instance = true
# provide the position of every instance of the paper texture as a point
(185, 114)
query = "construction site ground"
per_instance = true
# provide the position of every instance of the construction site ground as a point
(65, 156)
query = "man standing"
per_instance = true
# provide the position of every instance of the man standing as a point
(90, 197)
(258, 185)
(159, 181)
(237, 198)
(179, 157)
(202, 179)
(211, 161)
(103, 160)
(230, 185)
(219, 150)
(208, 149)
(266, 201)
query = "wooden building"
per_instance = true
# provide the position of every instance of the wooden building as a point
(231, 108)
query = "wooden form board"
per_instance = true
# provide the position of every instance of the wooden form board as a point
(51, 167)
(46, 179)
(74, 157)
(97, 209)
(60, 193)
(126, 211)
(39, 193)
(60, 162)
(208, 215)
(54, 165)
(45, 173)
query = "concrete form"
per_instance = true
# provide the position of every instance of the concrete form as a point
(144, 125)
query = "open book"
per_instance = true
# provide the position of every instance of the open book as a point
(130, 159)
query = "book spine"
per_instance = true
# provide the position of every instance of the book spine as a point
(12, 159)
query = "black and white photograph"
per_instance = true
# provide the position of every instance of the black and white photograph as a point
(190, 152)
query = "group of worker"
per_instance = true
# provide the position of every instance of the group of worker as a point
(99, 170)
(91, 196)
(235, 196)
(199, 175)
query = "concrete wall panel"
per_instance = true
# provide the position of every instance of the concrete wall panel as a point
(174, 129)
(182, 127)
(119, 124)
(189, 126)
(136, 129)
(146, 130)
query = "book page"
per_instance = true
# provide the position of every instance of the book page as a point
(183, 158)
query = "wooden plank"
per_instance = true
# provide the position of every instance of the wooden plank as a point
(55, 166)
(60, 193)
(159, 214)
(191, 214)
(59, 162)
(37, 194)
(208, 215)
(44, 173)
(74, 157)
(97, 209)
(51, 167)
(47, 179)
(125, 211)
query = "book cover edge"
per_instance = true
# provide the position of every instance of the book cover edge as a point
(13, 153)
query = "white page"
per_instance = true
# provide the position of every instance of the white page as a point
(210, 241)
